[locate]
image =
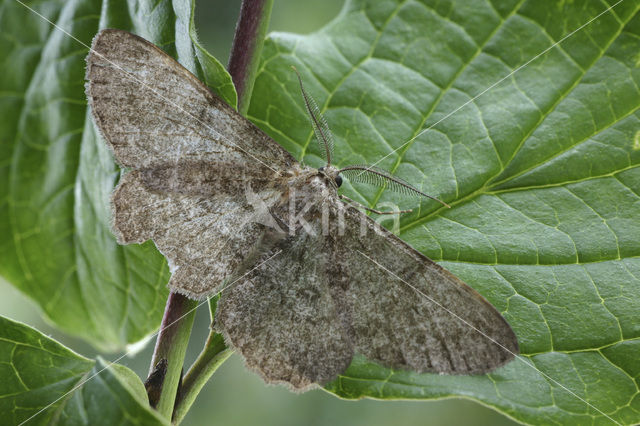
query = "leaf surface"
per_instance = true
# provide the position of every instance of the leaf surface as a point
(541, 170)
(56, 175)
(41, 378)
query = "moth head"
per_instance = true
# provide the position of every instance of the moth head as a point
(332, 174)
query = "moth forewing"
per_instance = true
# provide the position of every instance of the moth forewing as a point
(423, 318)
(152, 111)
(162, 122)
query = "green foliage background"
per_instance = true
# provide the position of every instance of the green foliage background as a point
(541, 171)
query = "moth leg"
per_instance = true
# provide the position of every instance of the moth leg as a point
(359, 205)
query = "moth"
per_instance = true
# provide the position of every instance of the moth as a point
(218, 197)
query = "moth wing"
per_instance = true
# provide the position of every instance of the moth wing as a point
(283, 318)
(192, 157)
(407, 312)
(152, 111)
(203, 237)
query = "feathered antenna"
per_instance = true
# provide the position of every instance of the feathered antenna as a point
(378, 177)
(319, 124)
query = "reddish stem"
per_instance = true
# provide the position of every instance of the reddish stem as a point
(247, 44)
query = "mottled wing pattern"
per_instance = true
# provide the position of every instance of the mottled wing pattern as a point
(193, 158)
(203, 238)
(301, 317)
(448, 328)
(152, 111)
(285, 320)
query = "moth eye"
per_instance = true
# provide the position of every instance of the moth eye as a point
(321, 169)
(338, 180)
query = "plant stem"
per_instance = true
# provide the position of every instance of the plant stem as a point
(215, 352)
(171, 345)
(243, 65)
(247, 45)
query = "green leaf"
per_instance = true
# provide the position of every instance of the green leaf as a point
(541, 170)
(56, 176)
(41, 383)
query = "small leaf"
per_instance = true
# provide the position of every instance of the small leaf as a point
(41, 378)
(56, 175)
(542, 171)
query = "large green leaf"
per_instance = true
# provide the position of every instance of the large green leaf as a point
(541, 170)
(56, 175)
(41, 383)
